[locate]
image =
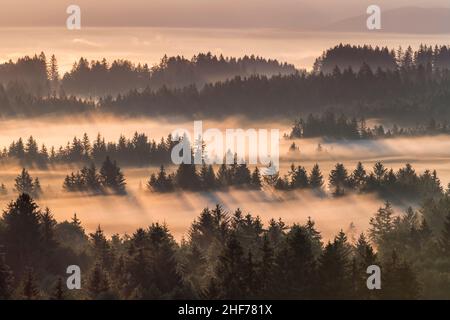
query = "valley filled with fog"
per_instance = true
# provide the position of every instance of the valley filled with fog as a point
(140, 207)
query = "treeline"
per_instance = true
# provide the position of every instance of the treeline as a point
(330, 125)
(409, 94)
(354, 57)
(225, 256)
(390, 184)
(31, 72)
(100, 78)
(413, 90)
(188, 177)
(136, 151)
(24, 183)
(403, 183)
(17, 99)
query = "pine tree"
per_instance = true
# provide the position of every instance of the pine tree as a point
(339, 180)
(165, 274)
(91, 179)
(101, 248)
(53, 75)
(30, 289)
(299, 177)
(316, 178)
(381, 224)
(242, 175)
(255, 180)
(230, 282)
(98, 283)
(186, 177)
(37, 190)
(22, 233)
(265, 269)
(24, 183)
(399, 281)
(445, 237)
(358, 177)
(223, 176)
(207, 177)
(112, 177)
(6, 280)
(334, 273)
(48, 224)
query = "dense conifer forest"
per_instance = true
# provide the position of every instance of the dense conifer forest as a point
(402, 84)
(226, 255)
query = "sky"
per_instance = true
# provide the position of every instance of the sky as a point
(297, 14)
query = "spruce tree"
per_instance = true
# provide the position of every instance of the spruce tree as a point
(265, 270)
(316, 178)
(30, 290)
(22, 233)
(230, 281)
(445, 236)
(207, 177)
(98, 283)
(6, 279)
(358, 177)
(112, 177)
(255, 180)
(24, 183)
(186, 177)
(299, 177)
(339, 180)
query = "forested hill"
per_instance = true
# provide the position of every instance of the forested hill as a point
(98, 78)
(401, 84)
(355, 57)
(414, 94)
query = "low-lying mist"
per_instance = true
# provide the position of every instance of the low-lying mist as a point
(120, 214)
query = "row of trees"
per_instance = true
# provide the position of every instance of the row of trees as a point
(382, 93)
(404, 183)
(340, 126)
(40, 75)
(100, 78)
(109, 179)
(188, 177)
(416, 89)
(24, 183)
(225, 256)
(345, 56)
(136, 151)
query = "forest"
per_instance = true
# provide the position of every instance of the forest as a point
(226, 256)
(355, 97)
(331, 126)
(136, 151)
(402, 184)
(405, 85)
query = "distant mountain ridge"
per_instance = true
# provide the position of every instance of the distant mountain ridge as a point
(407, 20)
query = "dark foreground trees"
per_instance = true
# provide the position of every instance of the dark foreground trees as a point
(225, 256)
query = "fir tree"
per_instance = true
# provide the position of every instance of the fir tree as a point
(24, 183)
(112, 177)
(316, 178)
(339, 180)
(30, 289)
(6, 280)
(255, 180)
